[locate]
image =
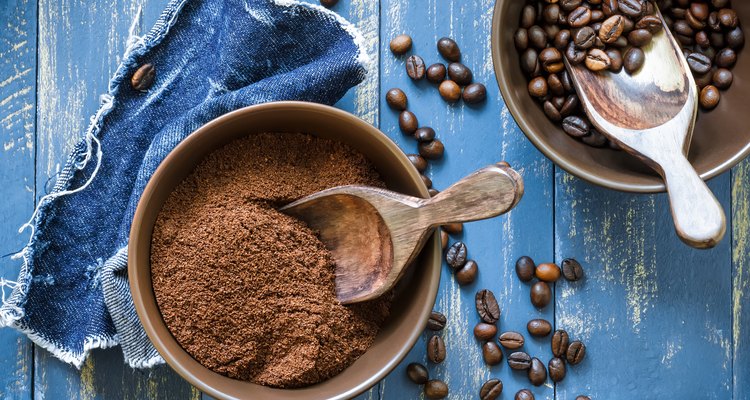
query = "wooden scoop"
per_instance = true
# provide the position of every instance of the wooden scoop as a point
(651, 115)
(374, 233)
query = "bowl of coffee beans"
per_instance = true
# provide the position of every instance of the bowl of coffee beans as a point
(532, 38)
(239, 298)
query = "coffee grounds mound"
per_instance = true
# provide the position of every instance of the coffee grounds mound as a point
(246, 290)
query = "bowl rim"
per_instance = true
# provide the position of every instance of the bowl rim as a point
(136, 286)
(558, 158)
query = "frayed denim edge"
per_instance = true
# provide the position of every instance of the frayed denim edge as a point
(10, 311)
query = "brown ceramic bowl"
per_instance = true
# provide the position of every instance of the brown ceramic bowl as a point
(720, 140)
(415, 294)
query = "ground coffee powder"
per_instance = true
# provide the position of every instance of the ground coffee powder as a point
(247, 290)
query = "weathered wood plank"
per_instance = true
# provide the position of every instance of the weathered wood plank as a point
(80, 45)
(741, 280)
(17, 136)
(653, 312)
(473, 138)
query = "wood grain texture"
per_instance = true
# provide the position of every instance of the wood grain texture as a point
(17, 128)
(473, 136)
(650, 309)
(741, 280)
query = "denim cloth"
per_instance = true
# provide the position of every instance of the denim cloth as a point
(211, 57)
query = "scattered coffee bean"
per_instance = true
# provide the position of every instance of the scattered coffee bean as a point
(433, 192)
(417, 373)
(454, 228)
(456, 256)
(728, 18)
(487, 306)
(424, 134)
(726, 58)
(575, 126)
(525, 269)
(400, 44)
(551, 60)
(556, 368)
(541, 294)
(143, 77)
(537, 373)
(524, 394)
(450, 91)
(615, 58)
(328, 3)
(551, 111)
(474, 93)
(435, 390)
(396, 99)
(460, 73)
(418, 162)
(408, 122)
(560, 342)
(436, 73)
(611, 29)
(468, 273)
(709, 97)
(431, 150)
(436, 322)
(491, 389)
(548, 272)
(539, 327)
(562, 39)
(484, 331)
(572, 269)
(735, 38)
(579, 17)
(699, 63)
(511, 340)
(436, 349)
(415, 67)
(597, 60)
(491, 353)
(722, 78)
(519, 360)
(576, 352)
(634, 59)
(639, 37)
(448, 48)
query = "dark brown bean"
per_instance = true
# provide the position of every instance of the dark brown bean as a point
(408, 122)
(551, 111)
(560, 342)
(487, 306)
(459, 73)
(710, 97)
(615, 57)
(699, 63)
(703, 80)
(584, 38)
(579, 17)
(433, 192)
(537, 373)
(551, 14)
(575, 126)
(569, 106)
(521, 39)
(491, 389)
(548, 272)
(454, 228)
(450, 91)
(436, 73)
(572, 269)
(530, 62)
(699, 10)
(537, 37)
(415, 67)
(491, 353)
(435, 390)
(570, 5)
(519, 360)
(528, 16)
(436, 322)
(551, 60)
(432, 150)
(525, 268)
(633, 60)
(417, 373)
(694, 22)
(424, 134)
(735, 38)
(539, 327)
(639, 37)
(583, 397)
(427, 181)
(594, 139)
(650, 23)
(444, 239)
(525, 394)
(468, 273)
(597, 60)
(609, 7)
(574, 54)
(726, 58)
(682, 28)
(484, 331)
(611, 29)
(631, 8)
(576, 352)
(537, 87)
(436, 349)
(511, 340)
(562, 39)
(418, 162)
(556, 369)
(400, 44)
(143, 77)
(448, 48)
(474, 93)
(722, 78)
(728, 18)
(456, 255)
(396, 99)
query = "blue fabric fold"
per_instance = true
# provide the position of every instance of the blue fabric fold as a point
(211, 57)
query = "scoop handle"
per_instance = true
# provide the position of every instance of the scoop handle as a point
(698, 217)
(486, 193)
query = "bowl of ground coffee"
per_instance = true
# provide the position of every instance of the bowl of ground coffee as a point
(530, 37)
(239, 298)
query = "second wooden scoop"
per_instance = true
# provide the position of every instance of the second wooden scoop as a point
(374, 233)
(651, 115)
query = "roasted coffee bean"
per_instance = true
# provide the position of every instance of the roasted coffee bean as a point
(538, 87)
(694, 22)
(491, 389)
(528, 16)
(569, 106)
(396, 99)
(417, 373)
(519, 360)
(722, 78)
(559, 343)
(583, 398)
(726, 58)
(709, 97)
(555, 85)
(584, 38)
(436, 322)
(431, 150)
(511, 340)
(143, 77)
(650, 23)
(551, 14)
(436, 349)
(551, 60)
(424, 134)
(450, 91)
(436, 73)
(728, 18)
(720, 3)
(576, 352)
(597, 15)
(639, 37)
(448, 48)
(558, 102)
(537, 373)
(702, 40)
(575, 126)
(594, 138)
(682, 28)
(418, 162)
(537, 37)
(525, 268)
(621, 42)
(468, 273)
(521, 39)
(633, 60)
(444, 239)
(551, 111)
(699, 63)
(703, 80)
(456, 255)
(579, 17)
(454, 228)
(713, 21)
(525, 394)
(631, 8)
(459, 73)
(474, 93)
(487, 306)
(611, 29)
(328, 3)
(435, 390)
(609, 7)
(574, 54)
(556, 368)
(484, 331)
(539, 327)
(562, 39)
(433, 192)
(491, 353)
(570, 5)
(427, 181)
(699, 10)
(735, 38)
(415, 67)
(597, 60)
(615, 57)
(401, 44)
(572, 269)
(530, 61)
(408, 122)
(548, 272)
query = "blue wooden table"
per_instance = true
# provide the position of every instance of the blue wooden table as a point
(660, 320)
